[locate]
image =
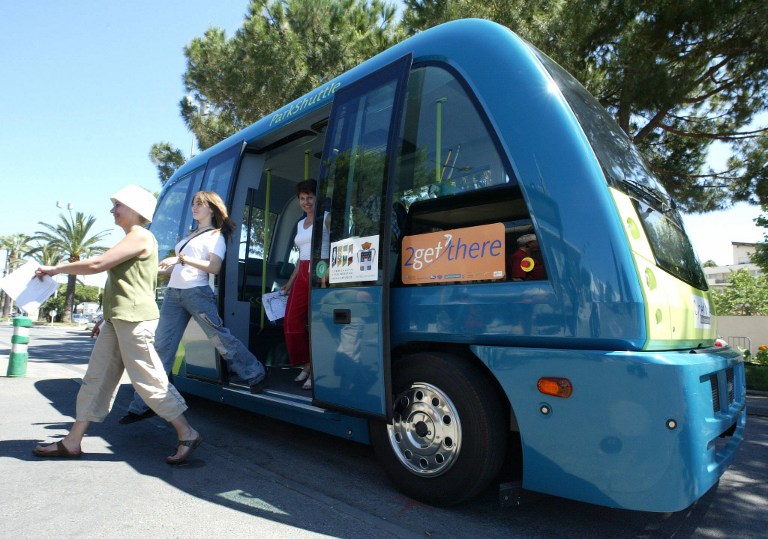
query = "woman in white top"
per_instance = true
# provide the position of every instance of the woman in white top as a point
(189, 295)
(297, 308)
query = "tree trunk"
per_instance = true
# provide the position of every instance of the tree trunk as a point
(69, 301)
(6, 305)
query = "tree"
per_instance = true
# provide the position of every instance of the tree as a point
(16, 246)
(676, 75)
(45, 255)
(746, 295)
(709, 264)
(760, 256)
(72, 238)
(57, 302)
(284, 49)
(167, 159)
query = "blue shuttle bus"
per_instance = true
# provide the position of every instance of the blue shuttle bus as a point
(598, 381)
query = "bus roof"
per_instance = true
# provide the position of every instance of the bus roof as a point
(446, 43)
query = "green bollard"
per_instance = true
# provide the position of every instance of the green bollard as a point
(17, 364)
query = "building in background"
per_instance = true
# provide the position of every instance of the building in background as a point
(717, 277)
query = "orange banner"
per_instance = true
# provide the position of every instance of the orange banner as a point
(462, 254)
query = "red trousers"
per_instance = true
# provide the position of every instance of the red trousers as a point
(297, 318)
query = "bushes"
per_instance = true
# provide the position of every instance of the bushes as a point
(757, 376)
(761, 358)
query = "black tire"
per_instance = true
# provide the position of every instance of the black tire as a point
(447, 440)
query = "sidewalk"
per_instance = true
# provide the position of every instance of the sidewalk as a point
(757, 403)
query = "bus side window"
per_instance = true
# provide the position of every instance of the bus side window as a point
(172, 216)
(449, 173)
(445, 148)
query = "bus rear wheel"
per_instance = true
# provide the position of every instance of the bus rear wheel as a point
(447, 438)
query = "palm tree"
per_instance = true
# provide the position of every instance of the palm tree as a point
(16, 246)
(70, 237)
(45, 254)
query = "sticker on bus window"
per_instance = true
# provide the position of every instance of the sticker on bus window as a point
(462, 254)
(354, 260)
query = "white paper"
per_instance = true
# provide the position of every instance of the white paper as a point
(28, 291)
(274, 305)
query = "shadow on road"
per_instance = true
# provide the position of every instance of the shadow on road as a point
(287, 474)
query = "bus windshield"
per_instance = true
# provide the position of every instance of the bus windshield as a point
(626, 170)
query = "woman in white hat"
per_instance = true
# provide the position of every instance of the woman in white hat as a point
(126, 339)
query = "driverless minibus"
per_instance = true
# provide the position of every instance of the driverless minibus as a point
(598, 381)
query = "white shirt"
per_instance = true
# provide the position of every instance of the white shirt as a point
(303, 239)
(199, 247)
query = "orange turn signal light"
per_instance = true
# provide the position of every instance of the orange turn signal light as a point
(557, 387)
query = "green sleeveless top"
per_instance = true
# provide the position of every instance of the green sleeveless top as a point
(129, 293)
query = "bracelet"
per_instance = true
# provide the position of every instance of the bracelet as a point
(181, 259)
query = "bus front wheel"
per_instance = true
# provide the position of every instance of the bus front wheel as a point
(447, 438)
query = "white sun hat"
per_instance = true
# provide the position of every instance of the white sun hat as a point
(138, 199)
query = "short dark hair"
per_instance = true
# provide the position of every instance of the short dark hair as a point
(306, 186)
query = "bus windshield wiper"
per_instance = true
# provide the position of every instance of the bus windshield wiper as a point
(664, 203)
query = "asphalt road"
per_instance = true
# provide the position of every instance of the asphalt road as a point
(257, 477)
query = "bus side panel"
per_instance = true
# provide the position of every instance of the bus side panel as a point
(628, 437)
(515, 313)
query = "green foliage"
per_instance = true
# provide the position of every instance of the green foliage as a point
(757, 377)
(16, 246)
(83, 294)
(73, 238)
(45, 254)
(760, 256)
(675, 75)
(761, 358)
(746, 295)
(284, 49)
(167, 159)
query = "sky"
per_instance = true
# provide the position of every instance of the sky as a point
(88, 86)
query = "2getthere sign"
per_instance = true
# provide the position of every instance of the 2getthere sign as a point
(463, 254)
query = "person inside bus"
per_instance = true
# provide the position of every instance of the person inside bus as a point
(126, 339)
(525, 263)
(190, 296)
(297, 287)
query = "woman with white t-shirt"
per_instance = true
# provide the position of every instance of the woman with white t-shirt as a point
(190, 296)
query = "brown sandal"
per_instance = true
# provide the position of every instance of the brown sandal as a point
(191, 444)
(61, 452)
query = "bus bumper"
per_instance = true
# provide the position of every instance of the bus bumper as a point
(647, 431)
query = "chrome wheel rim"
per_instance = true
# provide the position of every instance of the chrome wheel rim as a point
(425, 432)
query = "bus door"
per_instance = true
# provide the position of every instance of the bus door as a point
(349, 298)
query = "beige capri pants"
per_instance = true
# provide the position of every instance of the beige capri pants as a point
(126, 346)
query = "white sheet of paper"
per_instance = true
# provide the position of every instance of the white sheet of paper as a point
(274, 305)
(28, 291)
